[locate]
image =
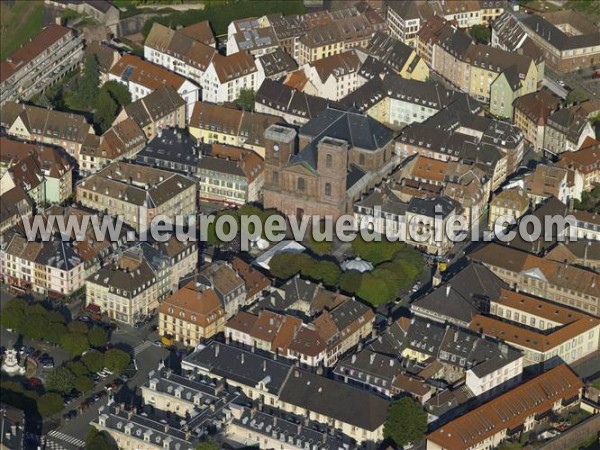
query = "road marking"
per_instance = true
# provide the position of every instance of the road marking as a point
(140, 348)
(63, 437)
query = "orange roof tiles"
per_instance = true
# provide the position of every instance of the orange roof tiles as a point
(509, 410)
(145, 73)
(203, 306)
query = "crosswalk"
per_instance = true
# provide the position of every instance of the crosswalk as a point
(140, 348)
(55, 440)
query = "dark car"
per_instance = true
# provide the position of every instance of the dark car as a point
(36, 354)
(84, 405)
(138, 325)
(596, 74)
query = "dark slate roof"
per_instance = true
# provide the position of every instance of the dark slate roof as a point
(389, 50)
(386, 199)
(457, 299)
(557, 38)
(355, 174)
(441, 206)
(240, 365)
(335, 399)
(357, 129)
(277, 62)
(172, 145)
(370, 367)
(290, 101)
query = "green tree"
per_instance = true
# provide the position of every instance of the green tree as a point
(83, 384)
(78, 327)
(286, 264)
(99, 440)
(377, 252)
(50, 403)
(60, 380)
(77, 368)
(377, 291)
(75, 343)
(34, 326)
(576, 96)
(118, 91)
(245, 100)
(106, 111)
(326, 271)
(116, 360)
(87, 86)
(54, 332)
(12, 318)
(55, 317)
(97, 337)
(406, 421)
(481, 34)
(207, 445)
(350, 281)
(93, 360)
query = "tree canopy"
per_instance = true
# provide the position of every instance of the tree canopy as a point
(97, 337)
(60, 380)
(207, 445)
(75, 343)
(50, 403)
(406, 421)
(99, 440)
(93, 360)
(481, 34)
(245, 100)
(116, 360)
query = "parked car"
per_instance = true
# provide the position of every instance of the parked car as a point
(84, 318)
(138, 325)
(34, 382)
(157, 344)
(596, 74)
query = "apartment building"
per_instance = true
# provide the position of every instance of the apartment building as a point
(397, 102)
(250, 36)
(162, 108)
(174, 150)
(423, 225)
(53, 268)
(465, 295)
(586, 161)
(230, 175)
(138, 194)
(39, 63)
(567, 39)
(394, 53)
(15, 206)
(550, 181)
(46, 126)
(312, 344)
(509, 204)
(530, 114)
(566, 131)
(587, 225)
(143, 77)
(293, 106)
(220, 124)
(558, 282)
(405, 19)
(126, 291)
(468, 13)
(121, 141)
(227, 285)
(507, 416)
(226, 76)
(275, 65)
(180, 51)
(333, 77)
(547, 334)
(45, 173)
(349, 410)
(191, 315)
